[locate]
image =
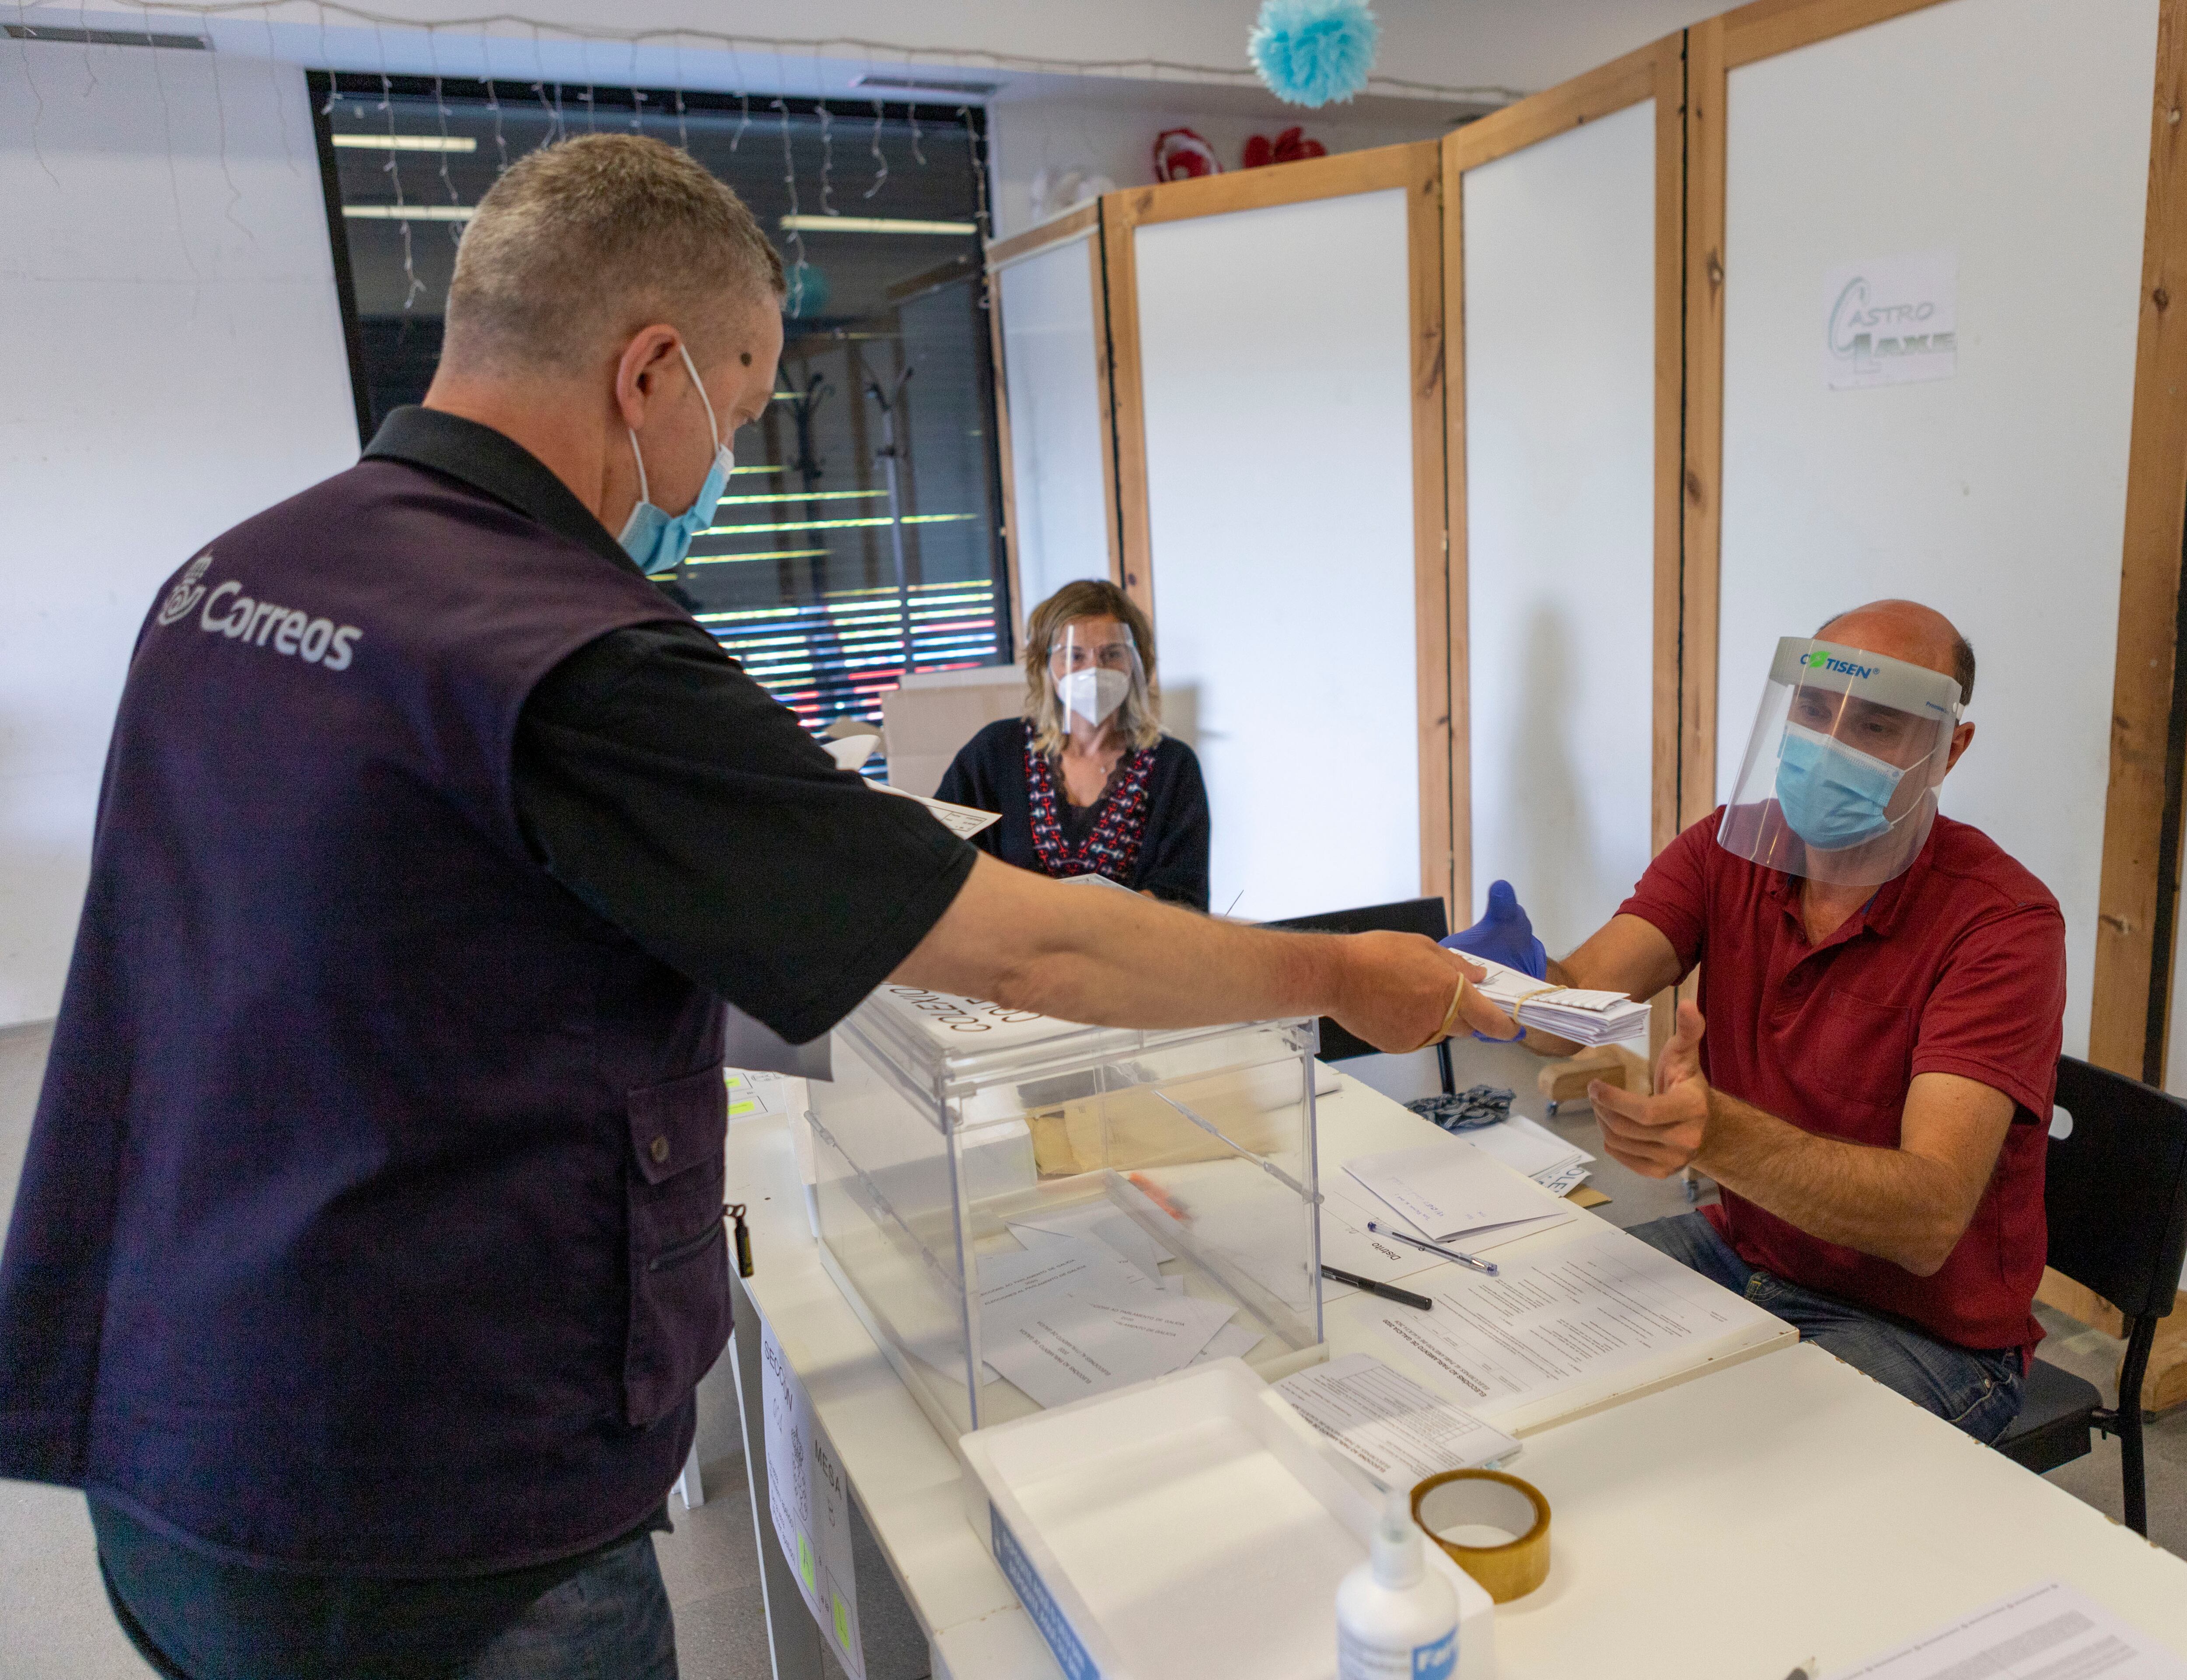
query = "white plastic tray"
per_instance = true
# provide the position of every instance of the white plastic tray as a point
(1189, 1528)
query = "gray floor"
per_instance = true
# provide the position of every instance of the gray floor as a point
(54, 1624)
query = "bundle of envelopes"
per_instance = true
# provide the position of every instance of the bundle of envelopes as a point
(1082, 1307)
(1587, 1017)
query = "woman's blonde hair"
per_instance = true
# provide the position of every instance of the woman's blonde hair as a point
(1139, 719)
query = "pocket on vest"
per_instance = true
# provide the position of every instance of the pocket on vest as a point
(679, 1273)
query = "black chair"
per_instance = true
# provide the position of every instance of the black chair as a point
(2116, 1196)
(1410, 915)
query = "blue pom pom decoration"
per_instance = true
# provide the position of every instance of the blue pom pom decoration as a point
(1311, 52)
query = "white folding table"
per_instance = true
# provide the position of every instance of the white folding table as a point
(1735, 1525)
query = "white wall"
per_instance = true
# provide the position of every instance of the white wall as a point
(1279, 439)
(174, 362)
(1996, 496)
(1052, 339)
(1115, 138)
(1560, 427)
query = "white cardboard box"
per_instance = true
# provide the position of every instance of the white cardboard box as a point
(1193, 1527)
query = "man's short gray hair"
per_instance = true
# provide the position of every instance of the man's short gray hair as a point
(583, 242)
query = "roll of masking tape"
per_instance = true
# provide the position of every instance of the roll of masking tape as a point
(1456, 1507)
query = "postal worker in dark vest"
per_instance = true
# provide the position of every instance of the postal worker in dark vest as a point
(369, 1244)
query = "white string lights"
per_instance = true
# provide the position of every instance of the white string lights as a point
(500, 23)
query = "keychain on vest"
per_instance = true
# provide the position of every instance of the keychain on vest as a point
(734, 1213)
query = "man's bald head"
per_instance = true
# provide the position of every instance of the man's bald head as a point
(1907, 630)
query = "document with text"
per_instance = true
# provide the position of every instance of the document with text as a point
(2047, 1632)
(1558, 1318)
(1388, 1424)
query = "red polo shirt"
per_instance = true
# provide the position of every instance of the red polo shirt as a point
(1958, 966)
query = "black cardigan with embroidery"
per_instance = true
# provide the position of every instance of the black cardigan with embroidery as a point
(989, 774)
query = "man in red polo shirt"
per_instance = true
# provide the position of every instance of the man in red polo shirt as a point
(1868, 1073)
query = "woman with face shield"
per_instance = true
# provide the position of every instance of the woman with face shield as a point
(1086, 781)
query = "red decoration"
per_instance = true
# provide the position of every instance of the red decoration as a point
(1180, 154)
(1288, 147)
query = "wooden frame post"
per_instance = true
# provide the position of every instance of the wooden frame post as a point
(1700, 474)
(2133, 954)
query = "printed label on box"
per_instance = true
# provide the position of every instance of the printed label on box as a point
(1070, 1656)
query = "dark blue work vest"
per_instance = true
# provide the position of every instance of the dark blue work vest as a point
(372, 1217)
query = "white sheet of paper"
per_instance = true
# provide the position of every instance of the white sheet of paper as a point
(1388, 1424)
(1097, 1222)
(755, 1093)
(961, 820)
(810, 1499)
(1014, 1282)
(2048, 1631)
(1551, 1319)
(1238, 1338)
(1085, 1345)
(1452, 1190)
(1347, 1245)
(1015, 1287)
(1527, 1146)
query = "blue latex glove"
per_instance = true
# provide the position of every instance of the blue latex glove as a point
(1504, 935)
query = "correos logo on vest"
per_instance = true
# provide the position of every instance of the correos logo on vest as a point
(289, 631)
(189, 588)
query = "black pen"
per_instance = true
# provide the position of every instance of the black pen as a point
(1388, 1291)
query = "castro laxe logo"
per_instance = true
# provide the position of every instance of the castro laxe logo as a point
(186, 592)
(1819, 661)
(1891, 321)
(289, 631)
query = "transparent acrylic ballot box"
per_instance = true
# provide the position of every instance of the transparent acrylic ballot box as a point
(1025, 1211)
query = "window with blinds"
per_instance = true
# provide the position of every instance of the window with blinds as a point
(860, 538)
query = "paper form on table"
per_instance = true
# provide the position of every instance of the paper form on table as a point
(1556, 1318)
(1388, 1424)
(1347, 1245)
(2051, 1629)
(1458, 1195)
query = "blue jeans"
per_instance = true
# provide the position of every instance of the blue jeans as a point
(192, 1618)
(1976, 1391)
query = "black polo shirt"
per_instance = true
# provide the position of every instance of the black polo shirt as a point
(659, 782)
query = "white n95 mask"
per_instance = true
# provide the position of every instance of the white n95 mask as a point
(1094, 694)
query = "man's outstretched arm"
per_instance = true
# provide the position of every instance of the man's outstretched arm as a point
(1120, 959)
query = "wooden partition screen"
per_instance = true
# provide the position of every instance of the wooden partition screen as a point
(1278, 377)
(1047, 312)
(1562, 225)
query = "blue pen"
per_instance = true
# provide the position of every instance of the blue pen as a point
(1382, 1230)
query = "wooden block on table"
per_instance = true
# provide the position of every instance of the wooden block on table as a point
(1566, 1079)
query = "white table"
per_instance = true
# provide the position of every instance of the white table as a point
(1735, 1524)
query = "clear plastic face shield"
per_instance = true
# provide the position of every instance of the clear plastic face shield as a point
(1094, 665)
(1841, 777)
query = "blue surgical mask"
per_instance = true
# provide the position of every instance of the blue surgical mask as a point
(1832, 796)
(657, 539)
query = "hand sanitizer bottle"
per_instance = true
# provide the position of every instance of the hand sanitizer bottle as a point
(1395, 1619)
